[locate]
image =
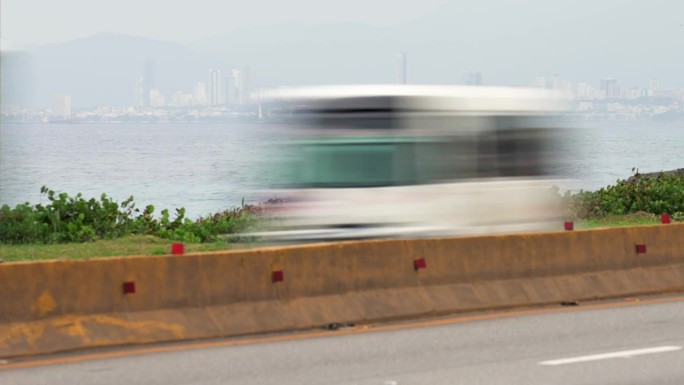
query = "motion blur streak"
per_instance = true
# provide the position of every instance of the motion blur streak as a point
(389, 161)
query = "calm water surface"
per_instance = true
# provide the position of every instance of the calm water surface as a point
(207, 168)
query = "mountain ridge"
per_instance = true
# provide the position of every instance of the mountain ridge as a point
(504, 43)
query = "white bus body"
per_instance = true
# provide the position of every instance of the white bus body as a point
(410, 161)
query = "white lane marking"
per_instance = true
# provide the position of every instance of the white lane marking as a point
(606, 356)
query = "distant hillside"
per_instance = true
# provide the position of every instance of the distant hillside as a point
(294, 53)
(510, 42)
(103, 68)
(17, 85)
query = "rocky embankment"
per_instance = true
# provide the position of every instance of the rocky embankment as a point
(638, 175)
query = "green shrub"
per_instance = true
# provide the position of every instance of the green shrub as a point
(654, 193)
(75, 219)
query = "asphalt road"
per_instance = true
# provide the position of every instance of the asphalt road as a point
(639, 344)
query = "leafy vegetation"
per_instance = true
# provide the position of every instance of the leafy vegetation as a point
(74, 219)
(639, 199)
(656, 194)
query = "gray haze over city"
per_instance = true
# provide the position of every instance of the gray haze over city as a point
(96, 51)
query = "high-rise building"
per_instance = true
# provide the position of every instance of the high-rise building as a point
(246, 87)
(138, 94)
(402, 77)
(633, 93)
(606, 82)
(539, 82)
(232, 94)
(200, 94)
(471, 78)
(147, 81)
(181, 99)
(560, 84)
(653, 85)
(61, 106)
(215, 87)
(610, 88)
(157, 99)
(585, 91)
(239, 86)
(614, 91)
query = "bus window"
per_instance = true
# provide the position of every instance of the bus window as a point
(347, 165)
(448, 152)
(520, 152)
(487, 155)
(446, 159)
(515, 147)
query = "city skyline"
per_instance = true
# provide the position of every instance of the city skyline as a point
(607, 100)
(233, 89)
(510, 41)
(232, 86)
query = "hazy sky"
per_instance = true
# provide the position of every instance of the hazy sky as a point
(49, 21)
(294, 42)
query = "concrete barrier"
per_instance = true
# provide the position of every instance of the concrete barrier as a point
(54, 306)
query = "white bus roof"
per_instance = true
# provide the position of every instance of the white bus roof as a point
(427, 97)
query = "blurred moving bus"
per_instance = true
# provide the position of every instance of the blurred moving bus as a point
(414, 161)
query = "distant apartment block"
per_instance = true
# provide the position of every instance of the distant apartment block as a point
(61, 106)
(238, 86)
(181, 99)
(200, 94)
(611, 88)
(585, 92)
(471, 78)
(215, 88)
(560, 84)
(539, 82)
(138, 94)
(402, 75)
(654, 85)
(156, 98)
(148, 82)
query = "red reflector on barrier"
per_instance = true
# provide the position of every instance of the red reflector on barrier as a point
(641, 249)
(568, 226)
(277, 276)
(177, 248)
(129, 287)
(665, 219)
(419, 264)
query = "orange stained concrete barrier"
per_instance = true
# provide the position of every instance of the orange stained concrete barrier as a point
(62, 305)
